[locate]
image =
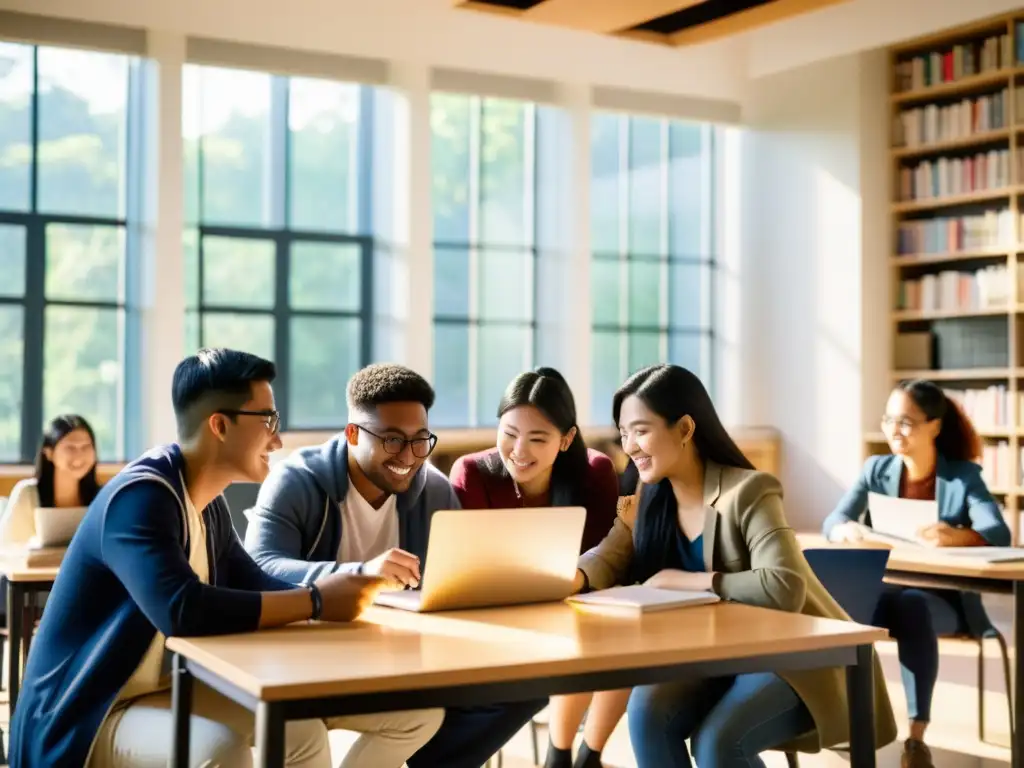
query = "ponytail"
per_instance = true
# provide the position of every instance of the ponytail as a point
(957, 439)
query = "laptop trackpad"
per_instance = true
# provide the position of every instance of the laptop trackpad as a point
(406, 599)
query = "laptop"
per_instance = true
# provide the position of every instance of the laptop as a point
(55, 526)
(481, 558)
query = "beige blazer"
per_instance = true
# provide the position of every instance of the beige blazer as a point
(747, 540)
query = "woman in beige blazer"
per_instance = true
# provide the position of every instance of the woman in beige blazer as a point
(705, 519)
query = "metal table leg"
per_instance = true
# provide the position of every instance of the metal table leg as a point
(860, 691)
(181, 712)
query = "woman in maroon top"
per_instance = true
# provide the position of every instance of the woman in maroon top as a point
(541, 460)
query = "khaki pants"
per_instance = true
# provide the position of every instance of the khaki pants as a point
(139, 735)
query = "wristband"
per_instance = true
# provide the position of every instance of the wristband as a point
(361, 569)
(317, 599)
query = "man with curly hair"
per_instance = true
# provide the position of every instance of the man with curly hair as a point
(361, 503)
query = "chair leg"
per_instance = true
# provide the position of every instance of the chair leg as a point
(981, 689)
(535, 739)
(792, 760)
(1007, 679)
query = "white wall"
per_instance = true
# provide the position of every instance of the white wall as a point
(812, 259)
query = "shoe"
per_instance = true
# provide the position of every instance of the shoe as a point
(916, 755)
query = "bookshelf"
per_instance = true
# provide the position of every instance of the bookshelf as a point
(957, 259)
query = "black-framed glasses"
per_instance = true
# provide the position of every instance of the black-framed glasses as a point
(421, 446)
(271, 419)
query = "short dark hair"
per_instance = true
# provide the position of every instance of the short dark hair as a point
(213, 380)
(382, 383)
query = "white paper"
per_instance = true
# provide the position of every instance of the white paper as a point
(901, 518)
(987, 554)
(642, 598)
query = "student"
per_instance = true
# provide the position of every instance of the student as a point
(934, 448)
(706, 520)
(65, 476)
(362, 503)
(156, 556)
(541, 460)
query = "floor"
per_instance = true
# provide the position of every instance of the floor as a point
(953, 734)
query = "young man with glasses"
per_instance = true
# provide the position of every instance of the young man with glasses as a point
(156, 556)
(361, 503)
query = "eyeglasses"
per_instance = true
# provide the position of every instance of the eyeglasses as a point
(421, 446)
(271, 419)
(899, 426)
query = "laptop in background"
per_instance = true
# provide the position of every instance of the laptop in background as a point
(56, 526)
(481, 558)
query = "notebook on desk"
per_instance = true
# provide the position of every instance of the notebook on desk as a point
(639, 599)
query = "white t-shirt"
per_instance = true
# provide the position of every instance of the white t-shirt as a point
(366, 532)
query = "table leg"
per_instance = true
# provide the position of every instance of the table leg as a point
(1016, 757)
(15, 615)
(181, 712)
(860, 692)
(269, 735)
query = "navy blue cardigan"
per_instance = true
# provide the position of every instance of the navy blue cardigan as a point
(125, 575)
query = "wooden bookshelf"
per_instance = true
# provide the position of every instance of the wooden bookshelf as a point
(957, 117)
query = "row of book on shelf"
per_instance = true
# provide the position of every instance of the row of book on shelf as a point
(950, 234)
(999, 467)
(987, 408)
(952, 291)
(936, 123)
(947, 176)
(951, 63)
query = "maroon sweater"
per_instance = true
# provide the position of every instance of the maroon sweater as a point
(480, 487)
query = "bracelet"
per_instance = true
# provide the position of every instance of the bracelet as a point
(317, 599)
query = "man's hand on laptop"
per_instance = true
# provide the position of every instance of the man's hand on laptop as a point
(398, 567)
(345, 596)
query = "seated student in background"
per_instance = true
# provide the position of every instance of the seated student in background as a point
(362, 503)
(65, 476)
(934, 448)
(156, 556)
(706, 520)
(541, 460)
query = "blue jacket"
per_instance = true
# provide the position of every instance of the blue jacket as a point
(295, 528)
(963, 497)
(125, 575)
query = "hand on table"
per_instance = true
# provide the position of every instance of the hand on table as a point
(944, 535)
(670, 578)
(345, 596)
(396, 566)
(848, 533)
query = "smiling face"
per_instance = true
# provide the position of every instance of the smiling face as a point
(907, 429)
(248, 439)
(74, 454)
(655, 447)
(372, 440)
(529, 444)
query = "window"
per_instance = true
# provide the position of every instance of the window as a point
(67, 192)
(653, 249)
(485, 251)
(277, 243)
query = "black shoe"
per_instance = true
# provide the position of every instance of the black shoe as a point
(558, 758)
(587, 758)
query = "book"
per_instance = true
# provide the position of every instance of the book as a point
(638, 599)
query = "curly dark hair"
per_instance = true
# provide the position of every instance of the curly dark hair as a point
(387, 383)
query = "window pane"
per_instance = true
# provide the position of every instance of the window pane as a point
(15, 128)
(688, 290)
(84, 263)
(191, 332)
(84, 371)
(449, 159)
(325, 276)
(451, 375)
(605, 178)
(688, 204)
(606, 364)
(190, 253)
(234, 122)
(451, 282)
(646, 198)
(323, 120)
(247, 332)
(606, 290)
(12, 348)
(644, 349)
(238, 272)
(506, 285)
(645, 292)
(82, 132)
(503, 192)
(503, 353)
(12, 257)
(324, 353)
(687, 350)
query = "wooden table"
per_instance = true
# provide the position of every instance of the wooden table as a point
(394, 660)
(931, 569)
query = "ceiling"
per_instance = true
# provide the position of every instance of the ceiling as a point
(667, 22)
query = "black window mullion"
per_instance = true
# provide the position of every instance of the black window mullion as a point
(364, 223)
(282, 327)
(33, 334)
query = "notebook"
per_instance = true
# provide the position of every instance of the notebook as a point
(986, 554)
(639, 599)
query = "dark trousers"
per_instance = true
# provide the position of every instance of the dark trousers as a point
(470, 736)
(915, 618)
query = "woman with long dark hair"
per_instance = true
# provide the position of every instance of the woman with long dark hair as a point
(705, 519)
(934, 453)
(541, 460)
(65, 476)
